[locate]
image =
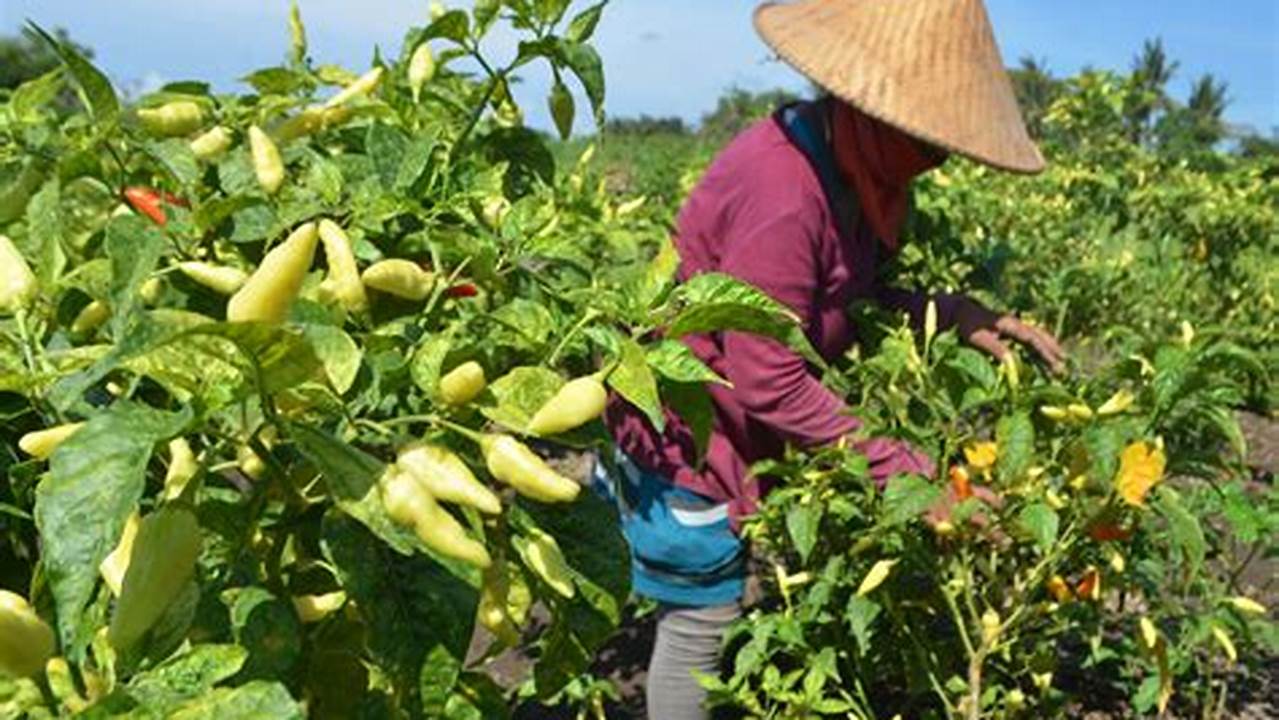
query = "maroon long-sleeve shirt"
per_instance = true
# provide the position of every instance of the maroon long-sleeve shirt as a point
(762, 215)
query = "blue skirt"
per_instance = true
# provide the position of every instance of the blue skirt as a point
(683, 549)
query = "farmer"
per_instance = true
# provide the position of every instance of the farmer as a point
(804, 205)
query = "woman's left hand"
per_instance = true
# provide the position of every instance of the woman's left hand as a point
(987, 330)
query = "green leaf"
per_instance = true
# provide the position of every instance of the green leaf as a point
(415, 608)
(134, 246)
(257, 700)
(176, 158)
(1041, 523)
(92, 85)
(386, 147)
(717, 303)
(589, 534)
(907, 497)
(428, 361)
(33, 95)
(860, 616)
(582, 26)
(351, 477)
(454, 25)
(674, 360)
(339, 354)
(519, 394)
(634, 381)
(1015, 435)
(692, 403)
(268, 628)
(440, 672)
(45, 226)
(589, 69)
(803, 521)
(275, 81)
(187, 675)
(95, 481)
(1184, 530)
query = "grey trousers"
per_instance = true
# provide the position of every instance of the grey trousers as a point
(688, 639)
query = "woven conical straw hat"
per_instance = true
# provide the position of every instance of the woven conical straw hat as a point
(928, 67)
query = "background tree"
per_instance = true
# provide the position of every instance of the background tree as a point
(26, 56)
(1151, 73)
(1036, 90)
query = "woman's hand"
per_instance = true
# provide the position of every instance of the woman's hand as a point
(987, 330)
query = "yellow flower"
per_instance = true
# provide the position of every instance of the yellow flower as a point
(1141, 467)
(982, 455)
(1117, 403)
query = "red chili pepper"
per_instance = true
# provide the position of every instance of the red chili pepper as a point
(1107, 532)
(462, 290)
(151, 203)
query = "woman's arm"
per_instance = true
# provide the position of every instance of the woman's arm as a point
(776, 251)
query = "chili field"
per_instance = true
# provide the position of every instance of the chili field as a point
(300, 388)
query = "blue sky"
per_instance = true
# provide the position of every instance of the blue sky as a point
(662, 57)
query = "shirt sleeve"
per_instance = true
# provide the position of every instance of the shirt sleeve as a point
(779, 254)
(914, 303)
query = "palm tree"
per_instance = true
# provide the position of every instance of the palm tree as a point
(1036, 90)
(1151, 72)
(1206, 105)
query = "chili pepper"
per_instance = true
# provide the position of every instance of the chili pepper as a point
(150, 290)
(401, 278)
(542, 555)
(344, 282)
(961, 482)
(1058, 588)
(310, 121)
(1090, 585)
(1247, 605)
(151, 203)
(40, 444)
(991, 627)
(26, 641)
(182, 467)
(90, 317)
(218, 278)
(17, 283)
(421, 69)
(268, 166)
(163, 561)
(113, 566)
(578, 402)
(270, 290)
(181, 117)
(512, 462)
(446, 477)
(491, 211)
(1227, 646)
(211, 144)
(362, 86)
(57, 673)
(875, 577)
(462, 384)
(1119, 402)
(493, 613)
(314, 608)
(408, 503)
(462, 290)
(562, 109)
